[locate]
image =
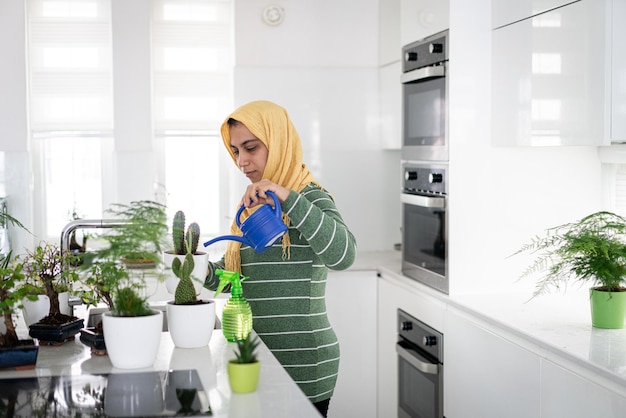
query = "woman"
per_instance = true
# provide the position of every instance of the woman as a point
(286, 285)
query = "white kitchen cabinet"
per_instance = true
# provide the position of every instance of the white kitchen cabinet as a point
(394, 294)
(567, 394)
(504, 12)
(389, 44)
(548, 81)
(485, 375)
(618, 72)
(422, 18)
(390, 93)
(351, 307)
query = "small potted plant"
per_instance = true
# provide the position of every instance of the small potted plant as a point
(190, 321)
(245, 369)
(184, 242)
(591, 250)
(128, 330)
(99, 281)
(132, 329)
(48, 267)
(14, 352)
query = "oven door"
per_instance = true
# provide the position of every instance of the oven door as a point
(424, 240)
(424, 115)
(420, 384)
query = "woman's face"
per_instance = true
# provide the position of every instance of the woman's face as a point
(250, 152)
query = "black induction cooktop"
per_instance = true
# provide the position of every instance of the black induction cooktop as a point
(144, 394)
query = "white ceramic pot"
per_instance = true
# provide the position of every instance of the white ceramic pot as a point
(191, 326)
(35, 310)
(132, 342)
(198, 275)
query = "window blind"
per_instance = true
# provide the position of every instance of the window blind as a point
(69, 52)
(192, 65)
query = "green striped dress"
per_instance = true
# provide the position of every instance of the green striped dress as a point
(288, 296)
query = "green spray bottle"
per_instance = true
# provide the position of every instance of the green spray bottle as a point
(237, 314)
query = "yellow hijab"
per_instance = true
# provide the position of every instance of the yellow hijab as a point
(271, 124)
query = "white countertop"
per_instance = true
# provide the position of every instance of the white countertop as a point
(277, 395)
(556, 326)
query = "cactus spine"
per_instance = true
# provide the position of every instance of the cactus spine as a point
(185, 291)
(184, 242)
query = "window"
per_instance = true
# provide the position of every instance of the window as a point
(192, 78)
(70, 106)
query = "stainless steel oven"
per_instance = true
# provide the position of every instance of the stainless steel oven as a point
(425, 223)
(424, 99)
(420, 369)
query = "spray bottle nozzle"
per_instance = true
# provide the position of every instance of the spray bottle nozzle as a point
(232, 277)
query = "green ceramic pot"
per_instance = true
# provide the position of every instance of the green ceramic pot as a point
(608, 309)
(243, 377)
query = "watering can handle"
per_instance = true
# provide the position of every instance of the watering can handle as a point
(277, 209)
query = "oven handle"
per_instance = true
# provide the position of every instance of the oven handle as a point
(417, 361)
(423, 73)
(423, 201)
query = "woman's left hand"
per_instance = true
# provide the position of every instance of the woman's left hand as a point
(255, 193)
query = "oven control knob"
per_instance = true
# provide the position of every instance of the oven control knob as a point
(410, 56)
(435, 177)
(430, 340)
(407, 325)
(410, 175)
(435, 48)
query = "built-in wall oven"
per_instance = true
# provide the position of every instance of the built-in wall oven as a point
(424, 153)
(425, 224)
(424, 99)
(420, 369)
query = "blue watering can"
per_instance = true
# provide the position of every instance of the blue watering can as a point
(261, 229)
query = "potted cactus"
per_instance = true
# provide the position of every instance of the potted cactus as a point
(184, 242)
(189, 320)
(244, 370)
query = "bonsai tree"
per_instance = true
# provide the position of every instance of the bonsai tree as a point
(184, 241)
(10, 297)
(48, 267)
(140, 240)
(591, 250)
(100, 281)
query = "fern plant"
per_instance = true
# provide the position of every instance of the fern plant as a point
(592, 249)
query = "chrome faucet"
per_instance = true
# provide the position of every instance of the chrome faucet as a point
(66, 233)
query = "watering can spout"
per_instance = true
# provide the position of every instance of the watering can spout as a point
(227, 237)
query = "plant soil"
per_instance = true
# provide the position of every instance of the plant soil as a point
(606, 289)
(57, 319)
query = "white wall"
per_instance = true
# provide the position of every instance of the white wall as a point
(321, 64)
(13, 120)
